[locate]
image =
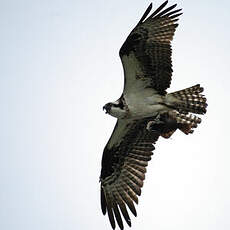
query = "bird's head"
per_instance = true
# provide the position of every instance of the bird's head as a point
(115, 109)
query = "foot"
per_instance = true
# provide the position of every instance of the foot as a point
(156, 124)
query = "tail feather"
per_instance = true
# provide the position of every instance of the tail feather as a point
(183, 103)
(187, 122)
(172, 120)
(184, 122)
(191, 100)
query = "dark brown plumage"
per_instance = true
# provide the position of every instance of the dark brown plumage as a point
(191, 100)
(146, 59)
(124, 166)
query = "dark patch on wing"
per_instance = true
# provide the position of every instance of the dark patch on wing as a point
(131, 42)
(150, 42)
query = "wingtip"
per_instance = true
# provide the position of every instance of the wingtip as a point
(103, 202)
(129, 223)
(176, 15)
(103, 212)
(149, 7)
(145, 14)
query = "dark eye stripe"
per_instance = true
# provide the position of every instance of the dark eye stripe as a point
(120, 105)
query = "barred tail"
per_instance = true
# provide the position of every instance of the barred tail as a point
(190, 100)
(184, 102)
(172, 120)
(187, 122)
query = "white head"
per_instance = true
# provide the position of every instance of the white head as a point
(115, 109)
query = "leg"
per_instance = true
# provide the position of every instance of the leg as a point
(163, 123)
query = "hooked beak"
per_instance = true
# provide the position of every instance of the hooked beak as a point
(104, 108)
(107, 107)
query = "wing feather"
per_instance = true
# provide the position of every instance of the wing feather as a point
(146, 53)
(137, 162)
(117, 215)
(159, 9)
(133, 180)
(109, 201)
(123, 170)
(166, 10)
(130, 192)
(103, 202)
(122, 208)
(127, 199)
(146, 13)
(139, 168)
(139, 157)
(136, 173)
(134, 187)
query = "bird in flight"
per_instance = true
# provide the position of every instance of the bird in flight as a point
(144, 112)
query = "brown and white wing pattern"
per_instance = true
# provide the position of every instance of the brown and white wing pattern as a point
(146, 53)
(124, 162)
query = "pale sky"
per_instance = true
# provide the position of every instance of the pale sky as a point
(59, 66)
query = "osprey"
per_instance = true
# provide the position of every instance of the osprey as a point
(144, 111)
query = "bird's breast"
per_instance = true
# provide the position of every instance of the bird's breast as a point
(144, 105)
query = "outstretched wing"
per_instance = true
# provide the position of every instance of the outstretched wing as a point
(146, 53)
(124, 162)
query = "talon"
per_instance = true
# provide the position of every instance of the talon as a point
(155, 125)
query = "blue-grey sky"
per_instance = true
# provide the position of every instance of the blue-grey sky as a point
(59, 66)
